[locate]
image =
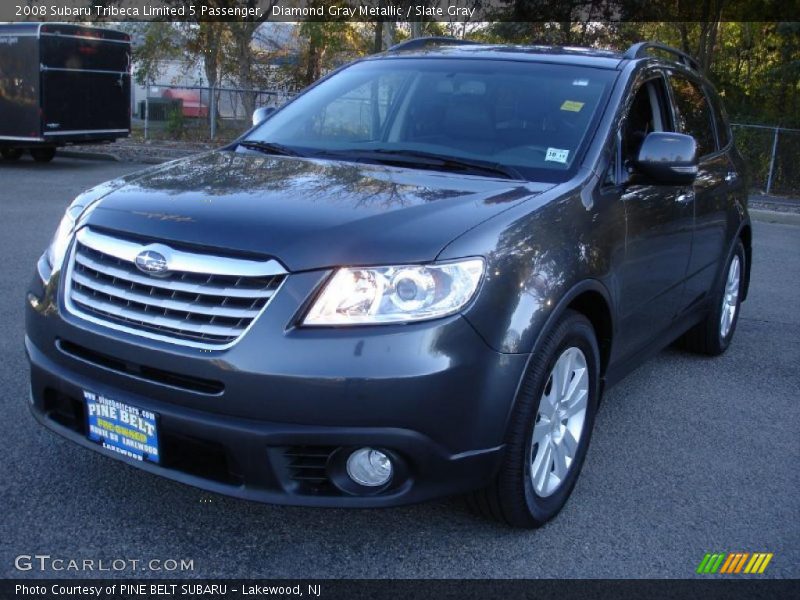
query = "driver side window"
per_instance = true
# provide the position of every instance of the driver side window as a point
(647, 113)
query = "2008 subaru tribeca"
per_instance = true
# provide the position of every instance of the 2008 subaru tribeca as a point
(415, 279)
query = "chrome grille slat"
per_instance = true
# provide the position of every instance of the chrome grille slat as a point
(160, 332)
(186, 306)
(152, 317)
(177, 305)
(187, 262)
(192, 288)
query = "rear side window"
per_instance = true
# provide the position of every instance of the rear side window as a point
(720, 119)
(694, 114)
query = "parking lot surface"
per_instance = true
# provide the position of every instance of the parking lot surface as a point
(690, 455)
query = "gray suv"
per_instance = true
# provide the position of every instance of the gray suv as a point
(415, 279)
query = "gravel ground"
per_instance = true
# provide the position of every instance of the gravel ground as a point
(144, 152)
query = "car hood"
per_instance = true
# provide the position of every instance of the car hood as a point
(309, 214)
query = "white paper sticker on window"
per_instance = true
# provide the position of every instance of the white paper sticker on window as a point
(580, 82)
(557, 155)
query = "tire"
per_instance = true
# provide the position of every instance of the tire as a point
(713, 335)
(43, 154)
(513, 497)
(10, 153)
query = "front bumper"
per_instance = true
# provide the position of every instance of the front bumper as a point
(273, 418)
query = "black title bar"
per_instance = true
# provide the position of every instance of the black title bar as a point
(400, 10)
(127, 589)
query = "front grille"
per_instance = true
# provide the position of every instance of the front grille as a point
(202, 300)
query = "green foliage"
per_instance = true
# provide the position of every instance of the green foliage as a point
(176, 123)
(755, 66)
(326, 45)
(755, 145)
(160, 41)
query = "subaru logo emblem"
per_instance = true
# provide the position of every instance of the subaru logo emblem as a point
(152, 262)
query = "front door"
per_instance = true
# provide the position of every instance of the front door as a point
(659, 222)
(715, 178)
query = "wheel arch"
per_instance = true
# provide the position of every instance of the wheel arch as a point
(577, 297)
(746, 235)
(595, 306)
(592, 299)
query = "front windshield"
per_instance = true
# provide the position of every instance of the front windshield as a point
(531, 118)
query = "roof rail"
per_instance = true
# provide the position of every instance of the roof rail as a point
(640, 50)
(423, 42)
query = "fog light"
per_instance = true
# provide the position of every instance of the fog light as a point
(369, 467)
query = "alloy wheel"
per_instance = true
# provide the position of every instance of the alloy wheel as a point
(559, 422)
(730, 297)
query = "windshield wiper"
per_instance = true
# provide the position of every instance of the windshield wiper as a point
(429, 160)
(417, 158)
(269, 148)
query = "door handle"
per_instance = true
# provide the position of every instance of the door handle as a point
(685, 197)
(731, 176)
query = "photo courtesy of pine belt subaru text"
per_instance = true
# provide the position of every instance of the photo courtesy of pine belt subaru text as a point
(415, 279)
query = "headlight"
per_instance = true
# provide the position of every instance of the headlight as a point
(372, 295)
(63, 236)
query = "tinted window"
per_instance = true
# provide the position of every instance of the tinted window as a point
(532, 117)
(84, 53)
(360, 114)
(721, 120)
(694, 114)
(645, 115)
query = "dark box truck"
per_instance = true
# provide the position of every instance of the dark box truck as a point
(62, 84)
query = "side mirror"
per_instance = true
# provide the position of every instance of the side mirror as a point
(668, 158)
(262, 114)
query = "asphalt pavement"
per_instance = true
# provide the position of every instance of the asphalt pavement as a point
(690, 455)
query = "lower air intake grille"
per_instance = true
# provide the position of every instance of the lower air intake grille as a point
(308, 466)
(194, 299)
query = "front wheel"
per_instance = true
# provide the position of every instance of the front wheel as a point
(550, 428)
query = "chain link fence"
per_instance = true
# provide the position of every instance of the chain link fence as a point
(772, 155)
(196, 113)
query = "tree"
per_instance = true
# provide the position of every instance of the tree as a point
(157, 42)
(226, 48)
(326, 44)
(235, 40)
(755, 66)
(205, 42)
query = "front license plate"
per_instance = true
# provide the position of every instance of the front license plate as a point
(122, 428)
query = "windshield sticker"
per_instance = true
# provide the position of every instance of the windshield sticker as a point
(572, 106)
(557, 155)
(581, 82)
